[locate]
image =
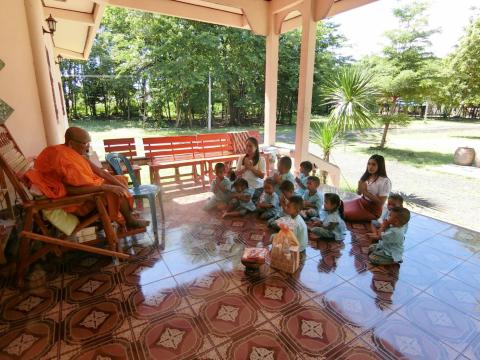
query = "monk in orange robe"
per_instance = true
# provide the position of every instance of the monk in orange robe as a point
(62, 170)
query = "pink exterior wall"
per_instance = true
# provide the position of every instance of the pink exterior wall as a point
(19, 79)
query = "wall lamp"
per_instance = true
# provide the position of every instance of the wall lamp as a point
(59, 59)
(52, 25)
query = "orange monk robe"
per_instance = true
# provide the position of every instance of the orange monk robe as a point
(59, 166)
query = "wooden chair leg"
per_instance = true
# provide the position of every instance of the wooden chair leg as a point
(107, 225)
(24, 249)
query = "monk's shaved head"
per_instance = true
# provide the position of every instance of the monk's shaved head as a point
(78, 139)
(76, 133)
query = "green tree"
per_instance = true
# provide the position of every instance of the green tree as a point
(400, 72)
(464, 66)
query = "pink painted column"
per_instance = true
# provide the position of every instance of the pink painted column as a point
(305, 82)
(271, 79)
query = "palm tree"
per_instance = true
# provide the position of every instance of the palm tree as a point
(352, 98)
(326, 136)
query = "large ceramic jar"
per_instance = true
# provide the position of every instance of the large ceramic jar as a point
(464, 156)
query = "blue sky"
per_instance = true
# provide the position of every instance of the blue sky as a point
(364, 27)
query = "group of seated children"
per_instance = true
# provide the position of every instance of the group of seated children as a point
(323, 212)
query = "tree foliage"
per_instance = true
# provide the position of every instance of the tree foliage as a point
(157, 67)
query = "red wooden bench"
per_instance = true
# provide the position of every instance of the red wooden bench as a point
(214, 148)
(172, 152)
(125, 146)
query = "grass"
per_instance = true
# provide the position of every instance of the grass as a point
(415, 158)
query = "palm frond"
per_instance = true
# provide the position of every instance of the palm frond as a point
(327, 136)
(352, 98)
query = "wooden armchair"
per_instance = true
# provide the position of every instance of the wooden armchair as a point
(15, 165)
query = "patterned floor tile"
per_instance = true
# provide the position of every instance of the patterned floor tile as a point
(417, 274)
(193, 300)
(354, 307)
(461, 296)
(183, 260)
(385, 288)
(434, 259)
(400, 339)
(153, 300)
(358, 350)
(93, 321)
(145, 272)
(467, 272)
(442, 321)
(175, 337)
(30, 341)
(204, 283)
(452, 247)
(315, 279)
(314, 332)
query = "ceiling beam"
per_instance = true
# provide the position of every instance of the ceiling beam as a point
(346, 5)
(69, 15)
(184, 10)
(68, 54)
(98, 11)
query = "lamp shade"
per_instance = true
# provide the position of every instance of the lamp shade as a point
(52, 24)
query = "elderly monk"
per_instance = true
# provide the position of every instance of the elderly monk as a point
(63, 169)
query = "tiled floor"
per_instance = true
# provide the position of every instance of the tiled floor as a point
(194, 301)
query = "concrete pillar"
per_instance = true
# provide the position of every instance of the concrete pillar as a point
(46, 94)
(271, 79)
(305, 82)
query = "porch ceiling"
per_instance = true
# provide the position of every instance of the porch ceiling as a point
(78, 20)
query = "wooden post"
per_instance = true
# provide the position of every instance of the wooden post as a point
(305, 82)
(271, 78)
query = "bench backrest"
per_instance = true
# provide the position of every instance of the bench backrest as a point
(214, 144)
(170, 148)
(125, 146)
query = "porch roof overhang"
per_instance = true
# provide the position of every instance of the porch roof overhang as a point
(78, 20)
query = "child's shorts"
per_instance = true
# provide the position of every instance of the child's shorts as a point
(323, 233)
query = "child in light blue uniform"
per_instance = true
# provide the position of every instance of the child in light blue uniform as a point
(221, 188)
(332, 227)
(312, 198)
(295, 205)
(389, 250)
(241, 200)
(269, 204)
(378, 226)
(283, 167)
(306, 168)
(287, 190)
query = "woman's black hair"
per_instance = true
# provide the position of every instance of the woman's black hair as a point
(381, 171)
(335, 200)
(256, 156)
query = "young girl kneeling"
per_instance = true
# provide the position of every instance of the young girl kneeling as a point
(333, 226)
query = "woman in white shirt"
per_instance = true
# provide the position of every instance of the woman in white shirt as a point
(251, 167)
(374, 187)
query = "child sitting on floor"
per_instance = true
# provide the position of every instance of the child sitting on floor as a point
(220, 187)
(306, 168)
(332, 227)
(312, 198)
(283, 167)
(269, 204)
(389, 249)
(241, 199)
(380, 225)
(287, 190)
(295, 205)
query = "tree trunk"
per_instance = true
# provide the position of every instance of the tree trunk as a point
(177, 106)
(384, 135)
